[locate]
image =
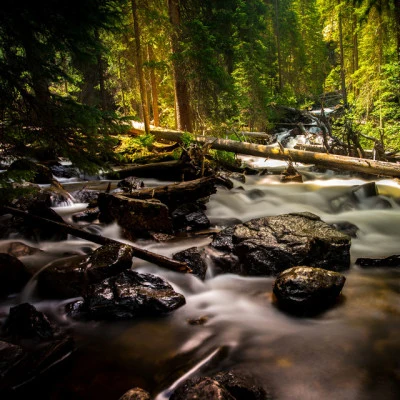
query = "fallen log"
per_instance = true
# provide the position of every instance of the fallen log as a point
(157, 259)
(332, 161)
(178, 193)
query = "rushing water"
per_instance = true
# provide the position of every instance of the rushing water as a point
(352, 351)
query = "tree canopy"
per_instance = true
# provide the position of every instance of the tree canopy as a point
(71, 72)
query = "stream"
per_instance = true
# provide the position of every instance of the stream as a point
(350, 352)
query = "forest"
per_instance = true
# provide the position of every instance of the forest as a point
(74, 75)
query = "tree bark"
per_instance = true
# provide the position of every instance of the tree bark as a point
(157, 259)
(154, 90)
(341, 47)
(306, 157)
(182, 107)
(139, 67)
(179, 193)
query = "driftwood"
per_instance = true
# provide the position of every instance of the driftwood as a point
(179, 193)
(321, 159)
(157, 259)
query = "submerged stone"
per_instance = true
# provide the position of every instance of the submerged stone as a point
(390, 262)
(128, 295)
(269, 245)
(307, 290)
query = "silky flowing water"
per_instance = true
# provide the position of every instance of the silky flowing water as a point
(351, 351)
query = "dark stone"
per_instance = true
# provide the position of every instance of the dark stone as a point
(128, 295)
(88, 215)
(391, 262)
(201, 388)
(42, 174)
(364, 191)
(234, 385)
(136, 394)
(69, 277)
(190, 217)
(347, 228)
(130, 183)
(255, 194)
(13, 274)
(269, 245)
(307, 290)
(136, 217)
(194, 258)
(86, 196)
(241, 386)
(25, 322)
(64, 171)
(18, 249)
(225, 263)
(58, 195)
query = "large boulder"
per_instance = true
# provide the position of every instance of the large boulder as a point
(269, 245)
(69, 277)
(136, 394)
(125, 296)
(307, 290)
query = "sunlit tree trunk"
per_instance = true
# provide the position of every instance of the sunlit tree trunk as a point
(182, 108)
(342, 67)
(278, 45)
(139, 67)
(154, 89)
(397, 16)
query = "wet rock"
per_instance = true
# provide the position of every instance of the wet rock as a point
(194, 258)
(58, 195)
(190, 217)
(25, 322)
(269, 245)
(86, 196)
(64, 171)
(13, 274)
(69, 277)
(198, 321)
(307, 290)
(18, 249)
(127, 295)
(136, 394)
(390, 262)
(347, 228)
(130, 183)
(201, 388)
(136, 217)
(255, 194)
(224, 385)
(242, 386)
(88, 215)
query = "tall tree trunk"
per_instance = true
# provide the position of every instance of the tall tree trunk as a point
(342, 70)
(139, 67)
(278, 45)
(397, 16)
(182, 109)
(154, 90)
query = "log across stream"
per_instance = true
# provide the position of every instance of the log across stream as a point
(349, 352)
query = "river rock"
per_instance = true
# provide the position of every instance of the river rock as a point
(136, 394)
(307, 290)
(189, 217)
(68, 277)
(25, 322)
(269, 245)
(130, 183)
(224, 385)
(137, 218)
(391, 262)
(87, 215)
(127, 295)
(201, 388)
(18, 249)
(86, 196)
(194, 258)
(13, 274)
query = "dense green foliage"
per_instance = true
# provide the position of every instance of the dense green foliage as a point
(68, 70)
